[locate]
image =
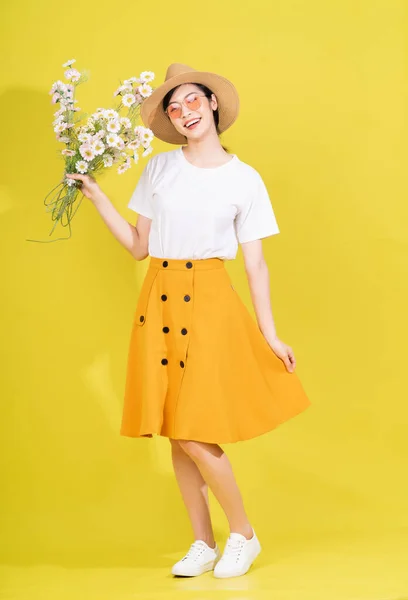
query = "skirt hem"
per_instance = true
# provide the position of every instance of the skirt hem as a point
(209, 440)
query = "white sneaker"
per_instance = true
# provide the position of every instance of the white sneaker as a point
(238, 556)
(199, 559)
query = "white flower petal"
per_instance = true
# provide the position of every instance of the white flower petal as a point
(146, 76)
(81, 166)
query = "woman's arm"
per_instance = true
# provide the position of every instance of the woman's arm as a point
(132, 237)
(258, 278)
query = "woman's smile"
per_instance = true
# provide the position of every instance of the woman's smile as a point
(192, 123)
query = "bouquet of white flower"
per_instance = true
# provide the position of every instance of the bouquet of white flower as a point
(98, 141)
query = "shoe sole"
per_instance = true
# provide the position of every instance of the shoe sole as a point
(239, 573)
(204, 569)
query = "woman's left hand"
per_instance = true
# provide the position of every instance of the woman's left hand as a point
(285, 353)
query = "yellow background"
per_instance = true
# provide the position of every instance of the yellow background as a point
(87, 513)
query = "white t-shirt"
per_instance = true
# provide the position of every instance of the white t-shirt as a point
(202, 213)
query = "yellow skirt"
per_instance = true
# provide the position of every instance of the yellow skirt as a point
(198, 366)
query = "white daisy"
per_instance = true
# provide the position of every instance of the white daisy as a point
(87, 151)
(133, 145)
(63, 138)
(146, 136)
(58, 85)
(100, 134)
(125, 122)
(84, 137)
(123, 168)
(81, 166)
(58, 120)
(121, 143)
(98, 114)
(72, 74)
(107, 160)
(145, 90)
(123, 89)
(70, 182)
(131, 80)
(67, 152)
(56, 98)
(60, 127)
(148, 151)
(113, 126)
(98, 147)
(146, 76)
(112, 139)
(69, 62)
(110, 113)
(136, 157)
(128, 99)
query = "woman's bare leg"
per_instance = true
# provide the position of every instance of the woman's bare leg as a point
(216, 471)
(194, 491)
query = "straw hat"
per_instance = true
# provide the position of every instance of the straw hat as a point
(154, 117)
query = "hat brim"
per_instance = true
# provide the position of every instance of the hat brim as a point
(154, 117)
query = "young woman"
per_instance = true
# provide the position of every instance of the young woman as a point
(201, 371)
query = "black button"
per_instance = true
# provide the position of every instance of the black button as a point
(189, 265)
(187, 298)
(181, 364)
(166, 329)
(141, 318)
(184, 331)
(164, 361)
(164, 297)
(165, 263)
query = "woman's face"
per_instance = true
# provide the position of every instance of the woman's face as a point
(194, 124)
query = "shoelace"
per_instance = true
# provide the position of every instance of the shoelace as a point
(196, 549)
(233, 549)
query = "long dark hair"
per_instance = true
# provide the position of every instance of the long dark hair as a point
(207, 92)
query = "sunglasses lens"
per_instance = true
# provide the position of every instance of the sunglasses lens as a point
(174, 111)
(193, 101)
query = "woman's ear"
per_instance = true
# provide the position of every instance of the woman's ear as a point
(213, 102)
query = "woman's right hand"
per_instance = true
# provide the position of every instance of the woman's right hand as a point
(89, 187)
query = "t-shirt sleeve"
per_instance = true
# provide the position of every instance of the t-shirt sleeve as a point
(256, 219)
(141, 199)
